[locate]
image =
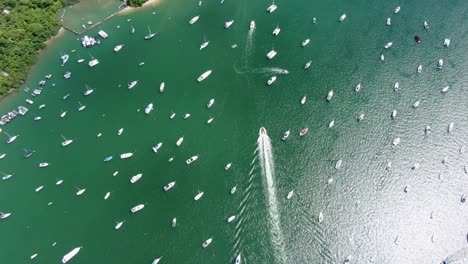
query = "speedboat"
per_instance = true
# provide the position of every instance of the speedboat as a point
(382, 57)
(132, 84)
(120, 131)
(198, 196)
(149, 108)
(210, 120)
(360, 117)
(204, 44)
(332, 123)
(228, 24)
(207, 242)
(416, 104)
(93, 62)
(417, 39)
(238, 259)
(330, 95)
(174, 222)
(115, 173)
(440, 63)
(420, 67)
(426, 25)
(338, 164)
(193, 20)
(187, 115)
(179, 141)
(320, 218)
(304, 131)
(286, 135)
(126, 155)
(272, 8)
(157, 147)
(170, 159)
(303, 100)
(136, 178)
(445, 89)
(210, 103)
(358, 87)
(228, 166)
(204, 75)
(118, 225)
(70, 255)
(172, 116)
(58, 182)
(107, 196)
(396, 141)
(270, 55)
(88, 91)
(262, 131)
(276, 31)
(161, 87)
(169, 186)
(233, 189)
(38, 189)
(307, 65)
(271, 80)
(118, 48)
(446, 42)
(342, 17)
(397, 9)
(43, 164)
(252, 25)
(394, 113)
(396, 86)
(290, 195)
(450, 127)
(156, 261)
(231, 218)
(389, 21)
(137, 208)
(64, 58)
(388, 45)
(191, 159)
(63, 114)
(305, 42)
(80, 192)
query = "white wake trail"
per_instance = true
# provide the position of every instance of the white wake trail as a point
(267, 165)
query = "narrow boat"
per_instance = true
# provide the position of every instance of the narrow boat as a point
(169, 186)
(120, 131)
(80, 191)
(107, 196)
(70, 255)
(80, 60)
(358, 87)
(233, 189)
(187, 115)
(118, 48)
(320, 218)
(149, 108)
(118, 225)
(210, 103)
(446, 42)
(81, 108)
(88, 90)
(272, 8)
(10, 138)
(136, 178)
(332, 123)
(396, 141)
(238, 259)
(204, 75)
(170, 159)
(416, 104)
(4, 215)
(445, 89)
(276, 31)
(252, 25)
(290, 195)
(271, 54)
(305, 42)
(6, 176)
(303, 100)
(397, 9)
(137, 208)
(156, 261)
(207, 242)
(382, 57)
(157, 147)
(33, 256)
(191, 159)
(394, 113)
(389, 165)
(132, 30)
(231, 218)
(338, 164)
(179, 141)
(66, 142)
(204, 44)
(286, 135)
(132, 84)
(307, 65)
(388, 45)
(420, 67)
(38, 189)
(396, 86)
(193, 20)
(228, 24)
(174, 222)
(161, 87)
(389, 21)
(115, 173)
(58, 182)
(417, 39)
(149, 35)
(198, 196)
(126, 155)
(228, 166)
(63, 114)
(342, 17)
(304, 131)
(172, 116)
(440, 63)
(329, 95)
(42, 106)
(43, 164)
(99, 135)
(450, 127)
(210, 120)
(426, 25)
(271, 80)
(2, 155)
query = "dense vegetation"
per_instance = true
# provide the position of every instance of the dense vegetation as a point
(136, 2)
(22, 33)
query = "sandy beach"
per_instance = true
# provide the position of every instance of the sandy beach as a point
(146, 4)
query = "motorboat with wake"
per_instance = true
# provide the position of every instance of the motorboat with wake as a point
(204, 75)
(169, 186)
(191, 159)
(252, 25)
(156, 261)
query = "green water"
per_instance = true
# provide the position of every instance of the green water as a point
(366, 212)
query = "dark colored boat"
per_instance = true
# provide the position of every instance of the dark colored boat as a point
(27, 154)
(417, 38)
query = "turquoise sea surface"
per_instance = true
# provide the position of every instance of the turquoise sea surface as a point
(409, 213)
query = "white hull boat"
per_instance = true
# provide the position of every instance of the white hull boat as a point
(179, 141)
(149, 108)
(157, 147)
(204, 75)
(228, 24)
(136, 178)
(193, 20)
(191, 159)
(137, 208)
(70, 255)
(126, 155)
(132, 84)
(169, 186)
(210, 103)
(270, 55)
(198, 196)
(207, 242)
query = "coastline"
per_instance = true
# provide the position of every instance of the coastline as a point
(145, 5)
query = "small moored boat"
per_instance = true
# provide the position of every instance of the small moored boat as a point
(70, 255)
(207, 242)
(342, 17)
(286, 135)
(136, 178)
(137, 208)
(304, 131)
(198, 196)
(169, 186)
(204, 75)
(290, 195)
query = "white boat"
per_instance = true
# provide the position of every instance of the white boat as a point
(397, 9)
(136, 178)
(156, 261)
(252, 25)
(161, 87)
(169, 186)
(396, 141)
(80, 191)
(426, 25)
(149, 108)
(118, 48)
(120, 131)
(198, 196)
(416, 104)
(238, 259)
(389, 21)
(276, 31)
(193, 20)
(228, 166)
(204, 44)
(388, 45)
(82, 107)
(170, 159)
(187, 115)
(445, 89)
(137, 208)
(290, 195)
(132, 84)
(115, 173)
(150, 35)
(2, 155)
(360, 117)
(172, 116)
(382, 57)
(88, 90)
(29, 101)
(272, 8)
(157, 147)
(210, 103)
(233, 189)
(396, 86)
(204, 75)
(70, 255)
(342, 17)
(420, 67)
(271, 80)
(43, 164)
(66, 142)
(338, 164)
(320, 218)
(191, 159)
(118, 225)
(63, 114)
(107, 196)
(33, 256)
(10, 138)
(389, 165)
(270, 55)
(58, 182)
(210, 120)
(427, 130)
(231, 218)
(99, 135)
(93, 62)
(358, 87)
(440, 63)
(446, 42)
(305, 42)
(228, 24)
(174, 222)
(303, 100)
(332, 123)
(394, 113)
(126, 155)
(42, 106)
(207, 242)
(329, 95)
(38, 189)
(286, 135)
(307, 65)
(314, 20)
(179, 141)
(450, 127)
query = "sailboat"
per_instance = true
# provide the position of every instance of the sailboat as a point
(93, 62)
(88, 90)
(6, 176)
(150, 35)
(204, 44)
(82, 107)
(80, 60)
(66, 142)
(10, 138)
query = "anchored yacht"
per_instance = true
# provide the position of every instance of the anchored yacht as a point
(191, 159)
(132, 84)
(198, 196)
(228, 24)
(137, 208)
(305, 42)
(118, 48)
(207, 242)
(272, 8)
(149, 108)
(179, 141)
(210, 103)
(270, 55)
(342, 17)
(70, 255)
(193, 20)
(204, 75)
(157, 147)
(136, 178)
(169, 186)
(388, 45)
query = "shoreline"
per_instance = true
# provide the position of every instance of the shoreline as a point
(148, 3)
